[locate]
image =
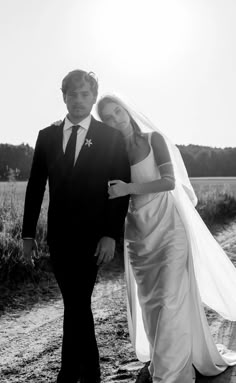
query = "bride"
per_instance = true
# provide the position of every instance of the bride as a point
(172, 262)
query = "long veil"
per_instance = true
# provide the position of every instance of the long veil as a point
(214, 272)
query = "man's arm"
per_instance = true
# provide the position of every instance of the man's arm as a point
(35, 191)
(117, 208)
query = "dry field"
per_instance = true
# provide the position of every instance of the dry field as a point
(200, 184)
(223, 184)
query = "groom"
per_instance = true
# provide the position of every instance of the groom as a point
(77, 158)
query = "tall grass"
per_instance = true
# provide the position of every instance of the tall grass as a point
(13, 268)
(214, 208)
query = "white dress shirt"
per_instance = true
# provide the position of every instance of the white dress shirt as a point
(81, 134)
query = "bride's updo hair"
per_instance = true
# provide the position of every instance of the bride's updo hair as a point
(108, 99)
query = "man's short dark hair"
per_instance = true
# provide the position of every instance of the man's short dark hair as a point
(80, 76)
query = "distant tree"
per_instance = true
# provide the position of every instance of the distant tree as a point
(17, 159)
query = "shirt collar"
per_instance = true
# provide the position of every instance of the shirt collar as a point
(84, 123)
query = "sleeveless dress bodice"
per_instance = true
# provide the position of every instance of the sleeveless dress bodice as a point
(144, 171)
(148, 209)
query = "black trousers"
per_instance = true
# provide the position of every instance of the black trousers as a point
(75, 270)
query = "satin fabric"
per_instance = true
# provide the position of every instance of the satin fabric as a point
(166, 319)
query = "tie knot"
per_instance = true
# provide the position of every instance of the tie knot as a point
(75, 128)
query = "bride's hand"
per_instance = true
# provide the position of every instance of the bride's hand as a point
(117, 188)
(57, 123)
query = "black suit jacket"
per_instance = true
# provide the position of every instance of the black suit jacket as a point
(79, 206)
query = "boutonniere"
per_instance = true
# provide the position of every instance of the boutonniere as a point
(88, 142)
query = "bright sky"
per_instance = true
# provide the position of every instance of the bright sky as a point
(174, 59)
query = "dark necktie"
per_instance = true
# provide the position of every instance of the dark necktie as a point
(69, 156)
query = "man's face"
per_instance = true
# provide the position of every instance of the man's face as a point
(79, 100)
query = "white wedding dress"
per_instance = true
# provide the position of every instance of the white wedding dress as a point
(166, 319)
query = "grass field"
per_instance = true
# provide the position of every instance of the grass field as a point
(220, 184)
(209, 191)
(214, 207)
(16, 190)
(201, 186)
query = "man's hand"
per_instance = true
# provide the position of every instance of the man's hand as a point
(105, 250)
(29, 247)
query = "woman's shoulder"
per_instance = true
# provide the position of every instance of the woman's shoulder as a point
(160, 148)
(157, 138)
(146, 136)
(152, 138)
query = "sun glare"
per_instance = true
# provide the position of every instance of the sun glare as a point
(141, 32)
(132, 33)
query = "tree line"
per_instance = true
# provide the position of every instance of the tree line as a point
(200, 161)
(205, 161)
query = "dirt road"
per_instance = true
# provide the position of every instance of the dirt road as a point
(31, 339)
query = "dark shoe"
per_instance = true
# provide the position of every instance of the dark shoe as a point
(144, 375)
(66, 378)
(88, 378)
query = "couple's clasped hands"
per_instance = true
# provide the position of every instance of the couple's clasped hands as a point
(117, 188)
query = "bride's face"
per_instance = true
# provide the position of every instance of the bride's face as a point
(117, 117)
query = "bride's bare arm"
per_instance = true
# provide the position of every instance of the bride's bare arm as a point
(163, 160)
(165, 183)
